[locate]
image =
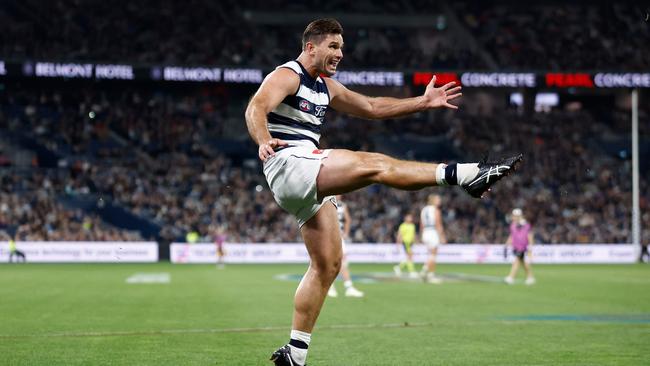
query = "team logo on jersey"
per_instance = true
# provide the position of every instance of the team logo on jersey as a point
(320, 110)
(304, 105)
(317, 151)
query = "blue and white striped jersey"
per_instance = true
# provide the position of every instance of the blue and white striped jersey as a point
(298, 119)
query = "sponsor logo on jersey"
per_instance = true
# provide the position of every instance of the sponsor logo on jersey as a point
(304, 105)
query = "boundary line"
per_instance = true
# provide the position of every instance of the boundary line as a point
(211, 330)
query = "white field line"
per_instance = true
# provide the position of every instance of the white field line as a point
(211, 330)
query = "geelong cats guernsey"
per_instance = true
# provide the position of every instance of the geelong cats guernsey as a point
(298, 119)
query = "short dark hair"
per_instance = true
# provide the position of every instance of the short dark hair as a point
(319, 28)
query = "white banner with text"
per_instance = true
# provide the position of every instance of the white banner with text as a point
(392, 253)
(82, 252)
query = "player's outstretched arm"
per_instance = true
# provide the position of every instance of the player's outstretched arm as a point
(275, 87)
(345, 100)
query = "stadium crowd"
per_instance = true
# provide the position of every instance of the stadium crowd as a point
(558, 36)
(29, 211)
(161, 153)
(166, 32)
(570, 189)
(235, 33)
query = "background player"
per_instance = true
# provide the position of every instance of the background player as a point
(433, 234)
(521, 241)
(344, 224)
(406, 237)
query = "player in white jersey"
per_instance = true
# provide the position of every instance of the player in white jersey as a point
(284, 118)
(344, 225)
(433, 234)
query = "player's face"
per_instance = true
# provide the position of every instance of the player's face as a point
(328, 53)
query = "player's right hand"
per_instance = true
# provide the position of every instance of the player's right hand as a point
(266, 150)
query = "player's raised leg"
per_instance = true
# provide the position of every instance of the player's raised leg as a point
(344, 171)
(323, 240)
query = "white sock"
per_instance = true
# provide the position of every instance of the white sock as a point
(440, 175)
(466, 172)
(458, 174)
(347, 284)
(300, 345)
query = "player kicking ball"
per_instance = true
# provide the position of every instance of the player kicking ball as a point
(285, 117)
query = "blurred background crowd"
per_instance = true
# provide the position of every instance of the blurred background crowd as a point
(425, 34)
(147, 161)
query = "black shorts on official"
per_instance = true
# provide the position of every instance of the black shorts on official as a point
(519, 254)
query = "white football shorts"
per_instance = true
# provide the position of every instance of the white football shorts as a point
(431, 238)
(291, 174)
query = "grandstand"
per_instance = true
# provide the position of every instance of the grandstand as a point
(102, 156)
(125, 123)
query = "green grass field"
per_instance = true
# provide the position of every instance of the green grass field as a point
(89, 315)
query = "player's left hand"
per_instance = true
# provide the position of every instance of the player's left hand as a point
(440, 97)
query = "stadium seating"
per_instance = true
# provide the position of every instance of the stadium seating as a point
(466, 35)
(158, 155)
(179, 158)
